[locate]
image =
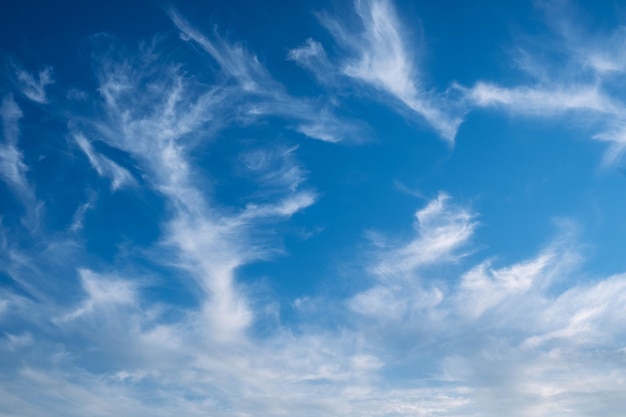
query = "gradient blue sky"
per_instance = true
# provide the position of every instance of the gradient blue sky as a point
(295, 208)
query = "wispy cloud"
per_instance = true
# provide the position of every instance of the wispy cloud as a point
(104, 166)
(540, 101)
(12, 167)
(274, 168)
(518, 319)
(160, 130)
(512, 318)
(34, 87)
(538, 330)
(441, 229)
(269, 97)
(384, 57)
(79, 214)
(429, 331)
(312, 56)
(574, 73)
(102, 292)
(234, 60)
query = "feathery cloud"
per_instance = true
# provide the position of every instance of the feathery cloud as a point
(119, 176)
(380, 56)
(252, 77)
(436, 332)
(34, 87)
(583, 82)
(12, 167)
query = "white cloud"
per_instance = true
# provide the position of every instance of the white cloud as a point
(160, 128)
(119, 176)
(441, 228)
(16, 341)
(483, 287)
(74, 94)
(285, 208)
(324, 126)
(431, 336)
(12, 167)
(312, 56)
(575, 75)
(497, 340)
(515, 339)
(34, 87)
(402, 294)
(268, 96)
(598, 53)
(234, 60)
(384, 59)
(102, 293)
(615, 136)
(79, 215)
(274, 168)
(543, 101)
(586, 315)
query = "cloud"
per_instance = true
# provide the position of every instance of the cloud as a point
(112, 340)
(12, 167)
(401, 293)
(538, 339)
(381, 58)
(102, 292)
(79, 214)
(160, 127)
(584, 315)
(517, 339)
(234, 60)
(485, 288)
(33, 87)
(266, 96)
(575, 75)
(74, 94)
(312, 56)
(441, 229)
(497, 339)
(616, 138)
(428, 331)
(543, 102)
(119, 176)
(274, 168)
(589, 53)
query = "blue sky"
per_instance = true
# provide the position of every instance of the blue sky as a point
(313, 209)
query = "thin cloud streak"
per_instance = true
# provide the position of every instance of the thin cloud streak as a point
(583, 82)
(119, 176)
(312, 56)
(312, 120)
(543, 102)
(441, 229)
(12, 167)
(31, 85)
(34, 87)
(381, 58)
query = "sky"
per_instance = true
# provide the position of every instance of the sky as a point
(312, 208)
